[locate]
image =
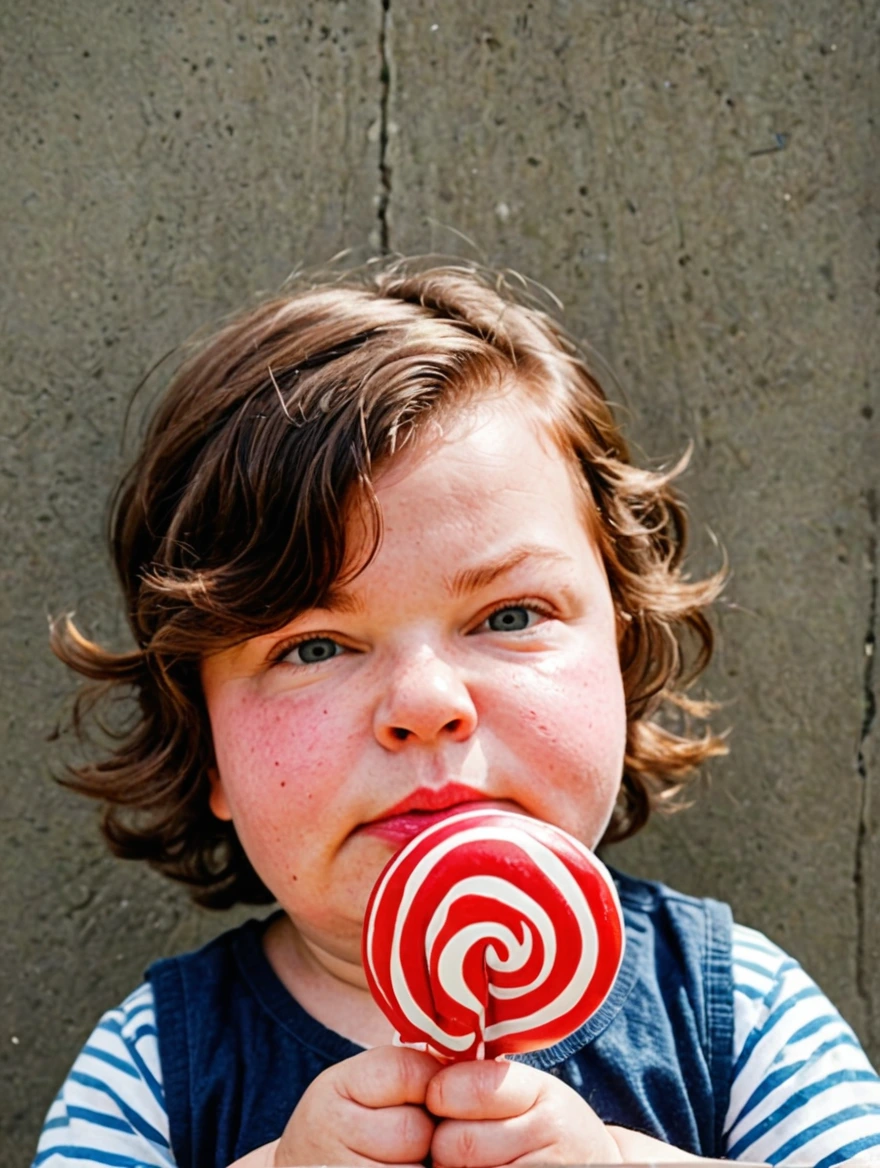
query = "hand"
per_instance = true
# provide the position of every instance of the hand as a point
(494, 1113)
(366, 1110)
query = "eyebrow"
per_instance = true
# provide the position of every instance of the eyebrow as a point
(469, 580)
(463, 582)
(340, 600)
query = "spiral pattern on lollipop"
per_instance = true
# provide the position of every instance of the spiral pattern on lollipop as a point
(491, 933)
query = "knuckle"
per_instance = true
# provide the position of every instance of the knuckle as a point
(456, 1142)
(463, 1089)
(365, 1079)
(468, 1145)
(413, 1134)
(411, 1075)
(406, 1068)
(438, 1098)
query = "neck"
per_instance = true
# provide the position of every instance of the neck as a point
(332, 990)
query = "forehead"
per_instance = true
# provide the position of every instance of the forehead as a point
(489, 481)
(490, 497)
(502, 443)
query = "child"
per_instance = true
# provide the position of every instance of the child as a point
(383, 548)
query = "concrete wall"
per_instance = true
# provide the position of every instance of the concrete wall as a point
(694, 179)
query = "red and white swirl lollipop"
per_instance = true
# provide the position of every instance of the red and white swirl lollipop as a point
(491, 933)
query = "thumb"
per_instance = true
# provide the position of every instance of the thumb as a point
(386, 1076)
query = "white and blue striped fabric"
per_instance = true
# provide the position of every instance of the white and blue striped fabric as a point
(111, 1107)
(803, 1091)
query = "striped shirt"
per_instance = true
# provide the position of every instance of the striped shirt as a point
(802, 1092)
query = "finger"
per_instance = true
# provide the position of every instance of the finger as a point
(389, 1135)
(484, 1090)
(386, 1076)
(486, 1143)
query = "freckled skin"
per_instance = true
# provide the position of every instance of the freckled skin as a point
(423, 690)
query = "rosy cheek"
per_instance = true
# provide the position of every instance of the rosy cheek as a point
(271, 753)
(571, 724)
(579, 696)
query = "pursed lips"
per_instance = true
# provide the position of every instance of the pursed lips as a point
(424, 807)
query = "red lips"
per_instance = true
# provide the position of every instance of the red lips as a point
(436, 799)
(421, 809)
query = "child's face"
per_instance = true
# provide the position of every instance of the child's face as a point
(478, 649)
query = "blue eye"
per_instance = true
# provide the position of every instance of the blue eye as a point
(512, 619)
(314, 650)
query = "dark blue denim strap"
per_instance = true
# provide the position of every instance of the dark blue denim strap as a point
(718, 980)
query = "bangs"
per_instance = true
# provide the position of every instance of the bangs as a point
(257, 529)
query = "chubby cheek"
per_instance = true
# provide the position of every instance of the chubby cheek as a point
(278, 767)
(569, 728)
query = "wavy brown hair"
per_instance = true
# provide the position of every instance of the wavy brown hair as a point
(232, 520)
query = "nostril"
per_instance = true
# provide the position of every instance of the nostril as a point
(400, 732)
(453, 725)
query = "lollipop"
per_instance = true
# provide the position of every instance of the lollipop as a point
(491, 933)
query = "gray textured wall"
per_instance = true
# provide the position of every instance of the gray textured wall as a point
(695, 180)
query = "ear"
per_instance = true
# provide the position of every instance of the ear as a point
(217, 799)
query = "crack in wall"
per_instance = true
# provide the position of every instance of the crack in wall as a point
(384, 169)
(869, 714)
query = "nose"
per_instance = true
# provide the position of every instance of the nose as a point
(426, 701)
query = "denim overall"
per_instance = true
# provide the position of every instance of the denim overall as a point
(238, 1051)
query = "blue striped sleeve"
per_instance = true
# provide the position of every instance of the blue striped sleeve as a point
(111, 1108)
(73, 1154)
(803, 1091)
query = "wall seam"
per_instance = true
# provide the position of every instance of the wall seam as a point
(384, 98)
